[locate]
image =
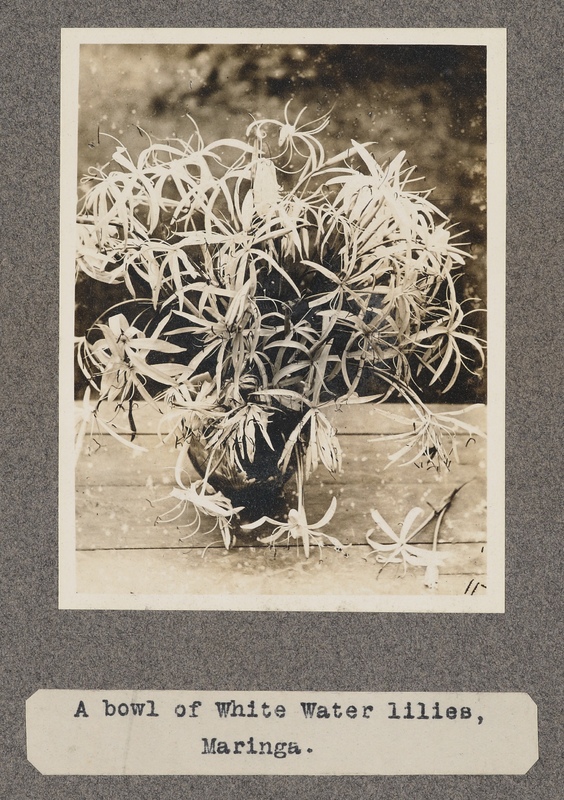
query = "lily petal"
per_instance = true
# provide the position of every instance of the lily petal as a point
(408, 522)
(381, 522)
(326, 517)
(249, 526)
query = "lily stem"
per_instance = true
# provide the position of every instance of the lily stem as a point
(438, 512)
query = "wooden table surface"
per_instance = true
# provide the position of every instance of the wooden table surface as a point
(121, 549)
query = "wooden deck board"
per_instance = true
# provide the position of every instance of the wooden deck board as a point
(112, 464)
(120, 494)
(257, 571)
(127, 516)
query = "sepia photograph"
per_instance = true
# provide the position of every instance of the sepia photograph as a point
(282, 320)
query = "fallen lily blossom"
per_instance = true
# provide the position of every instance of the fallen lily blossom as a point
(297, 527)
(400, 550)
(206, 503)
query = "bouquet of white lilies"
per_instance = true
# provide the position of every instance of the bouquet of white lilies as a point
(267, 282)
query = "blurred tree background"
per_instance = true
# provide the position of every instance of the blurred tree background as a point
(426, 100)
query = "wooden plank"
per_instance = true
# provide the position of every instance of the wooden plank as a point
(115, 465)
(358, 418)
(258, 572)
(363, 457)
(374, 419)
(126, 516)
(120, 493)
(465, 521)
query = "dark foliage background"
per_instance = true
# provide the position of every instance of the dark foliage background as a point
(426, 100)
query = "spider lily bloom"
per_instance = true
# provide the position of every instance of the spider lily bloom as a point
(436, 244)
(207, 503)
(290, 136)
(431, 437)
(192, 408)
(98, 252)
(400, 550)
(120, 359)
(297, 527)
(228, 330)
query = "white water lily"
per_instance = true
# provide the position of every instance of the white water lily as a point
(400, 550)
(297, 527)
(119, 360)
(192, 407)
(205, 502)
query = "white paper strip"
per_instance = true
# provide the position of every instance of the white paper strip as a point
(280, 733)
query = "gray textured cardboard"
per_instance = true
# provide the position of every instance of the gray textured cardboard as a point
(47, 648)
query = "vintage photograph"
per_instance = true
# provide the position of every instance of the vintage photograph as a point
(280, 250)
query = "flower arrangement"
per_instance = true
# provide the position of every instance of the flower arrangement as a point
(267, 282)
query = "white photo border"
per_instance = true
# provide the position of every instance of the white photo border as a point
(494, 39)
